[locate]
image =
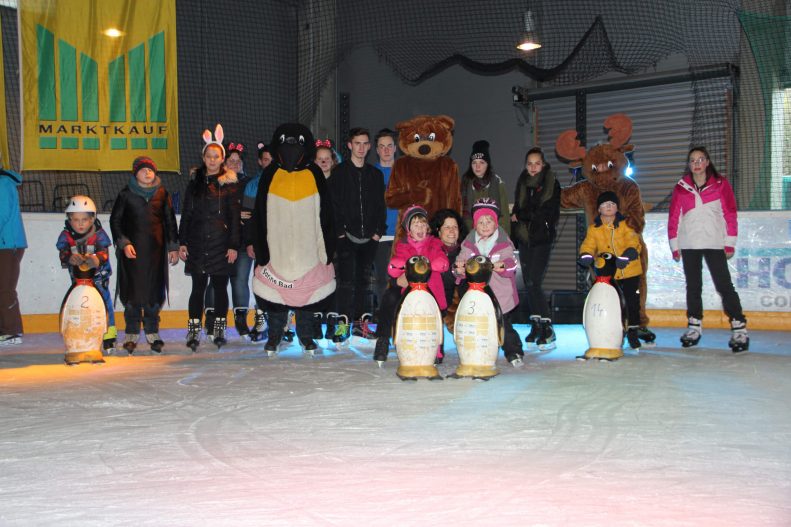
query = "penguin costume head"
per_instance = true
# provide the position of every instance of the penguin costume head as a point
(605, 267)
(292, 146)
(418, 270)
(478, 269)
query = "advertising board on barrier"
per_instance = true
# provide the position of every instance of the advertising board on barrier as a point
(760, 269)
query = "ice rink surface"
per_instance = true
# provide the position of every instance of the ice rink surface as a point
(663, 437)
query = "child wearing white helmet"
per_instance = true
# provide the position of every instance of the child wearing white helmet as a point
(84, 241)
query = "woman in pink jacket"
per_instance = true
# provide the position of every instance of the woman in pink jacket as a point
(703, 226)
(418, 241)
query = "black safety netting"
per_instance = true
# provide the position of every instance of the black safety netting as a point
(253, 64)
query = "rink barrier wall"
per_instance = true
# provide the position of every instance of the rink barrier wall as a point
(763, 257)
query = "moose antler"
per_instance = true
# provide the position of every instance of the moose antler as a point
(568, 147)
(620, 127)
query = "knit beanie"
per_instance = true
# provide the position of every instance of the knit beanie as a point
(411, 212)
(480, 150)
(607, 196)
(485, 206)
(142, 162)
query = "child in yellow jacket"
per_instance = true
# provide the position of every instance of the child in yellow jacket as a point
(609, 233)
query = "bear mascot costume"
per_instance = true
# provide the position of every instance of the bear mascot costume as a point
(292, 235)
(425, 175)
(604, 168)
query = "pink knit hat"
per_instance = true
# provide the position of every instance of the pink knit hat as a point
(485, 206)
(411, 212)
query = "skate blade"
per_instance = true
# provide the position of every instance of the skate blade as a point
(547, 347)
(380, 363)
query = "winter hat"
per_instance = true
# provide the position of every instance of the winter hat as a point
(480, 150)
(607, 196)
(411, 212)
(485, 206)
(142, 162)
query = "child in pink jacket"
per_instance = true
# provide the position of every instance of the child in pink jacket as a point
(490, 240)
(418, 241)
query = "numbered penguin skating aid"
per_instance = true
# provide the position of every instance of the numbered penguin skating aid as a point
(602, 315)
(418, 330)
(83, 319)
(478, 329)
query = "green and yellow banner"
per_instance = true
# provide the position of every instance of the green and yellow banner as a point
(99, 84)
(6, 160)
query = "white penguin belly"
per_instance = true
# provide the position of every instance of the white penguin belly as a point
(475, 330)
(418, 329)
(83, 320)
(601, 317)
(296, 243)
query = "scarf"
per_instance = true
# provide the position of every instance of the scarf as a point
(144, 192)
(485, 245)
(542, 183)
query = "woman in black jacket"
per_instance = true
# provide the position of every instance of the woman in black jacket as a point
(209, 235)
(536, 212)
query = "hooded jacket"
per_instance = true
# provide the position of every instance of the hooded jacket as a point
(702, 219)
(12, 232)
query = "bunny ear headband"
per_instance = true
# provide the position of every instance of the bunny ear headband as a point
(218, 137)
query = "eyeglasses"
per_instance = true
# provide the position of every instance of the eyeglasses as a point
(697, 161)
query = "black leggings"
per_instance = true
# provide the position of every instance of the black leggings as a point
(717, 263)
(219, 284)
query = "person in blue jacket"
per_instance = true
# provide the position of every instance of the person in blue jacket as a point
(12, 247)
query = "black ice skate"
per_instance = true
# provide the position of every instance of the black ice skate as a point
(155, 342)
(632, 337)
(219, 332)
(193, 333)
(381, 350)
(694, 331)
(546, 340)
(273, 344)
(240, 322)
(646, 335)
(739, 341)
(341, 336)
(209, 318)
(259, 332)
(309, 346)
(535, 330)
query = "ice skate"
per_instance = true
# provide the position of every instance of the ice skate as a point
(381, 350)
(694, 331)
(341, 336)
(632, 338)
(108, 340)
(193, 333)
(209, 319)
(332, 318)
(240, 322)
(318, 318)
(309, 346)
(10, 340)
(289, 332)
(516, 361)
(273, 344)
(219, 332)
(647, 336)
(739, 341)
(546, 340)
(360, 328)
(155, 342)
(259, 332)
(130, 342)
(535, 331)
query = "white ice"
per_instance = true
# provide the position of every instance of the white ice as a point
(663, 437)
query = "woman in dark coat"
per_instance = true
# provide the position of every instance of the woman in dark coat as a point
(536, 212)
(209, 235)
(143, 224)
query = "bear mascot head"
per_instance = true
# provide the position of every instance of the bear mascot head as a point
(424, 175)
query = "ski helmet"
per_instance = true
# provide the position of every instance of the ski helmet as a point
(81, 204)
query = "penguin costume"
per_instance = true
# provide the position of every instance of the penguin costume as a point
(603, 315)
(478, 329)
(292, 235)
(418, 330)
(83, 318)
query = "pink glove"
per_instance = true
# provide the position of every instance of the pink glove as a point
(677, 256)
(729, 251)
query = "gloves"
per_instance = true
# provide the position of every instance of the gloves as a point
(677, 256)
(585, 260)
(92, 260)
(729, 252)
(75, 259)
(621, 262)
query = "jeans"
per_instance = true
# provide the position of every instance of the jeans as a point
(354, 267)
(149, 318)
